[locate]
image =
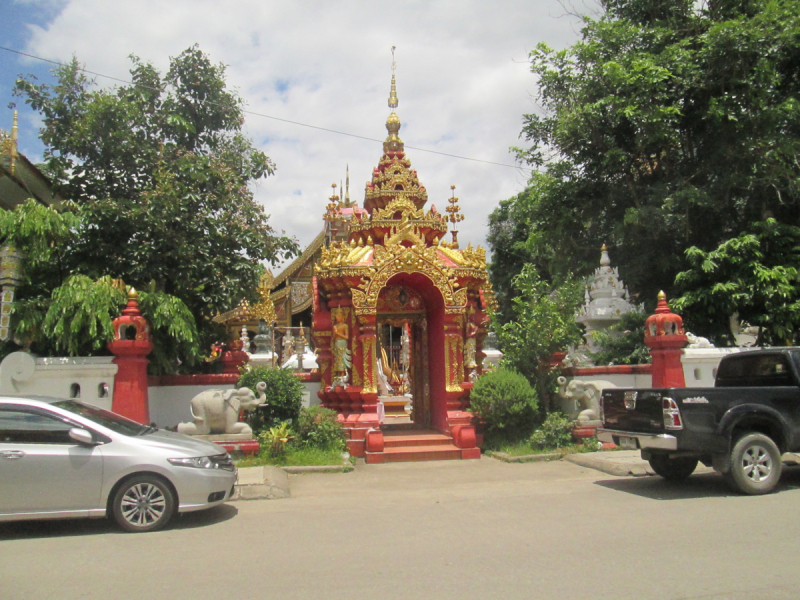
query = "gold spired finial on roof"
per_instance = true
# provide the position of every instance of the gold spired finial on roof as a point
(393, 101)
(10, 144)
(455, 216)
(393, 143)
(347, 188)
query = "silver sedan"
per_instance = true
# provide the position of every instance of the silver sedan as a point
(64, 458)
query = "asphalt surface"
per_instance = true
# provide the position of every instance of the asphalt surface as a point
(453, 529)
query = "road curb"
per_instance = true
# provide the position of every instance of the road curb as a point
(273, 485)
(607, 466)
(526, 458)
(345, 468)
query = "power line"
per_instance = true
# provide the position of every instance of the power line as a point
(265, 116)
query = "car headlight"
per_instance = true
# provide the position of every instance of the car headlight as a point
(198, 462)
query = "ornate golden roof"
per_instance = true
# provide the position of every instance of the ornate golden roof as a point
(264, 309)
(396, 235)
(298, 262)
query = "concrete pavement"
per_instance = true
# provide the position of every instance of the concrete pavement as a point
(479, 529)
(256, 483)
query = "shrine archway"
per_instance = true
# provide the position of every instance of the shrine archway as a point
(428, 346)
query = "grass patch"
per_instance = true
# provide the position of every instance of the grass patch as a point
(295, 457)
(525, 448)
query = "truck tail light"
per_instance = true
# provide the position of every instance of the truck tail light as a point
(672, 414)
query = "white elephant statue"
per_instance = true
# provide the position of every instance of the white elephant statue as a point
(217, 411)
(580, 400)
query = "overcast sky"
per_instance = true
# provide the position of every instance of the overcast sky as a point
(462, 77)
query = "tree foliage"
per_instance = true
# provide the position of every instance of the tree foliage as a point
(160, 177)
(543, 323)
(753, 275)
(623, 342)
(59, 310)
(669, 125)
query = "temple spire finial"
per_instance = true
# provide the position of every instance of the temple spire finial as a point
(393, 101)
(347, 188)
(393, 143)
(14, 143)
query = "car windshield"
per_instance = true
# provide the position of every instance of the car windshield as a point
(108, 419)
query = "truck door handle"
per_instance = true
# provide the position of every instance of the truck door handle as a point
(12, 454)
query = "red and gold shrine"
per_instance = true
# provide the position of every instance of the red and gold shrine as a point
(399, 316)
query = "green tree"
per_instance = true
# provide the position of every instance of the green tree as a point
(160, 176)
(543, 323)
(623, 343)
(755, 276)
(669, 125)
(58, 310)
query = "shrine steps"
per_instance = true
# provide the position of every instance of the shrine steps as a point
(415, 445)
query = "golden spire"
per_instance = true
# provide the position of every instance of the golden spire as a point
(347, 189)
(393, 101)
(393, 142)
(455, 216)
(14, 141)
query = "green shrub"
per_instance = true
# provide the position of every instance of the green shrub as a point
(555, 432)
(275, 439)
(318, 427)
(506, 403)
(284, 396)
(591, 444)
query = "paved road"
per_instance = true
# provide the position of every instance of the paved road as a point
(472, 529)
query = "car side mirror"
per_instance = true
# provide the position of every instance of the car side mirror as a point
(81, 436)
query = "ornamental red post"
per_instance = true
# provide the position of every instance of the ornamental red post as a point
(665, 337)
(132, 343)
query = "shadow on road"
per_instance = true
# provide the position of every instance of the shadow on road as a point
(81, 527)
(705, 485)
(205, 518)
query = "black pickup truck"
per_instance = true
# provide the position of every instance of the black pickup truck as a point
(741, 426)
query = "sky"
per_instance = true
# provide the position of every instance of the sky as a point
(463, 80)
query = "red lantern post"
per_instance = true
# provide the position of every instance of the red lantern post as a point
(132, 343)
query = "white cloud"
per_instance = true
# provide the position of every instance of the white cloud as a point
(462, 76)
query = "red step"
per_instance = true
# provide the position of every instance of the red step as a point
(412, 445)
(420, 453)
(398, 439)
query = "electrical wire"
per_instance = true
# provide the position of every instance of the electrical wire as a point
(289, 121)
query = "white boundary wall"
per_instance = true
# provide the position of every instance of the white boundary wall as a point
(91, 379)
(700, 364)
(170, 404)
(699, 369)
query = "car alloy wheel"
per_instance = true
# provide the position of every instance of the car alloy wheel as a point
(755, 464)
(143, 503)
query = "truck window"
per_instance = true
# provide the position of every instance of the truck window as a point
(749, 371)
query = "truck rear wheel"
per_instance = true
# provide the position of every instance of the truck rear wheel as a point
(673, 469)
(755, 464)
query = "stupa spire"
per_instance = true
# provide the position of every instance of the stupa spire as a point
(347, 189)
(393, 143)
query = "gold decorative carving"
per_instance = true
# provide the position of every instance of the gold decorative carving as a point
(370, 364)
(453, 351)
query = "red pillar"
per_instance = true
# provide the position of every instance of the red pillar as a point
(131, 344)
(665, 337)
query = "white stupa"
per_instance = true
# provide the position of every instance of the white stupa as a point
(606, 300)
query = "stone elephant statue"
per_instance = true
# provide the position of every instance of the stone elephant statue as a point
(580, 400)
(217, 411)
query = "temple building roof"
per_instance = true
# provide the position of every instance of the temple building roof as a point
(19, 178)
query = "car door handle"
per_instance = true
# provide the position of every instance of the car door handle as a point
(11, 454)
